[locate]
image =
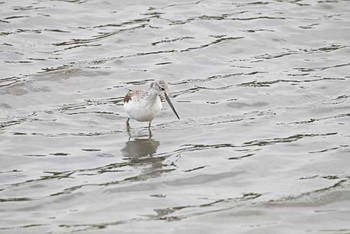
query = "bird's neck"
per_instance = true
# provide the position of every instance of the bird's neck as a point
(152, 94)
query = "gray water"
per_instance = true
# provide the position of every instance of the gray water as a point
(262, 89)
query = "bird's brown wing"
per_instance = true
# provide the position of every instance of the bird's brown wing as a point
(128, 96)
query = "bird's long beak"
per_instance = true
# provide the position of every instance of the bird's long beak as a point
(170, 104)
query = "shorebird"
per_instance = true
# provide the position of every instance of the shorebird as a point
(143, 105)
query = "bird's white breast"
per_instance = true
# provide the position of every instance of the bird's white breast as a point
(143, 109)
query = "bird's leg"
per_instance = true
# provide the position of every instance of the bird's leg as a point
(127, 124)
(149, 129)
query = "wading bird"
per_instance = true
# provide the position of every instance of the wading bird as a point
(143, 105)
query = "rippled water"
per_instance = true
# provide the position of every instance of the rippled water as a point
(262, 89)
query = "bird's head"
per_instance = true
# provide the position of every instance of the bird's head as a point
(161, 87)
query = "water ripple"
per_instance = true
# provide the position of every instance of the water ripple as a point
(261, 87)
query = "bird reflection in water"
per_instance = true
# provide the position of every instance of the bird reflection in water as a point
(140, 154)
(140, 147)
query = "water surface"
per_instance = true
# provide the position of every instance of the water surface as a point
(262, 89)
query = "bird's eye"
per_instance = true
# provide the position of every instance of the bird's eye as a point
(163, 89)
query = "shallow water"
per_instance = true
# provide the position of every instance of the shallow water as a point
(262, 89)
